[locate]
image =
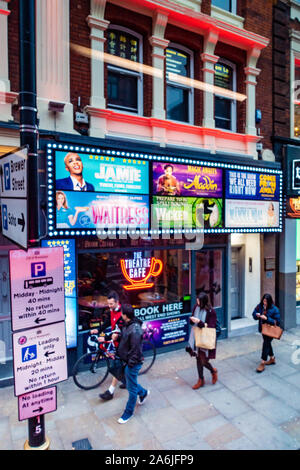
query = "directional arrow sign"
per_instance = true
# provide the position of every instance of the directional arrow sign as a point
(37, 403)
(14, 220)
(13, 192)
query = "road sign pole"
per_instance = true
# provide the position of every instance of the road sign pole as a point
(28, 109)
(36, 434)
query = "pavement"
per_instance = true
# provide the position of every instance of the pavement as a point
(244, 410)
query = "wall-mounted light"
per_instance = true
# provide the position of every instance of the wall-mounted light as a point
(56, 107)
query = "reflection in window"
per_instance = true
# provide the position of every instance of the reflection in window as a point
(297, 101)
(228, 5)
(179, 96)
(123, 85)
(100, 273)
(225, 108)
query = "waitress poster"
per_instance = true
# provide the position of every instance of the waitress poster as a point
(85, 210)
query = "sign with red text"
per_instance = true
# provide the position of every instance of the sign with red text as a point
(37, 403)
(37, 287)
(40, 358)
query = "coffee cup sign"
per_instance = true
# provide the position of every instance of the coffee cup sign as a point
(138, 270)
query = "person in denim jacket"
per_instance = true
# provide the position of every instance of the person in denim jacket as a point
(266, 312)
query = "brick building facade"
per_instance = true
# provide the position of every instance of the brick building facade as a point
(248, 37)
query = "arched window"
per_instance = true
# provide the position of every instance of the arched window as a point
(124, 85)
(179, 95)
(225, 108)
(228, 5)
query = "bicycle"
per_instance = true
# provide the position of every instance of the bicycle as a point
(91, 369)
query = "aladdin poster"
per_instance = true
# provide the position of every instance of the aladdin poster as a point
(170, 179)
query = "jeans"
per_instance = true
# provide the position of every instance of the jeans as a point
(134, 389)
(267, 349)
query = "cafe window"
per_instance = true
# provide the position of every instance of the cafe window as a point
(225, 108)
(297, 99)
(228, 5)
(179, 95)
(124, 84)
(123, 273)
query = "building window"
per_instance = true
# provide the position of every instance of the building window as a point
(225, 108)
(228, 5)
(179, 95)
(124, 85)
(297, 99)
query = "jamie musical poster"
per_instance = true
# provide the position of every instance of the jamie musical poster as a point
(170, 179)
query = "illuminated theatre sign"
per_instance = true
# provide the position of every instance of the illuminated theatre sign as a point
(137, 271)
(108, 193)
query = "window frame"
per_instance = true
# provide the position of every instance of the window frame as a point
(233, 127)
(123, 71)
(233, 8)
(189, 52)
(295, 62)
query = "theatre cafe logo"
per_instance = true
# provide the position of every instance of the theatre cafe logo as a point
(296, 174)
(138, 271)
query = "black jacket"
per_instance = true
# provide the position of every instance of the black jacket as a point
(130, 347)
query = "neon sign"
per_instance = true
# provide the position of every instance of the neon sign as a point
(138, 270)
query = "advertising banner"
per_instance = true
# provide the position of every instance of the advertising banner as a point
(293, 208)
(86, 210)
(246, 185)
(186, 212)
(70, 287)
(186, 180)
(164, 323)
(103, 174)
(251, 214)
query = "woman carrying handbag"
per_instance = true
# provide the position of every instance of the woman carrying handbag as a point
(203, 316)
(267, 314)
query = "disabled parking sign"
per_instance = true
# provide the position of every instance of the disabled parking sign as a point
(37, 287)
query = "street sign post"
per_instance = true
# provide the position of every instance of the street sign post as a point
(40, 358)
(37, 287)
(36, 403)
(13, 192)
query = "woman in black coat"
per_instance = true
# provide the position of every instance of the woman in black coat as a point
(266, 312)
(203, 315)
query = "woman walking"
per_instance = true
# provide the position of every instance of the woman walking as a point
(266, 312)
(203, 315)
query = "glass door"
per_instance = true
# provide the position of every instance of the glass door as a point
(209, 278)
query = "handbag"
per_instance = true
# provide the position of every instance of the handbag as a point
(271, 330)
(205, 337)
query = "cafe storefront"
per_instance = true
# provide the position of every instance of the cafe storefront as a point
(155, 228)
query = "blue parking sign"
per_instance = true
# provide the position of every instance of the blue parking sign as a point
(29, 353)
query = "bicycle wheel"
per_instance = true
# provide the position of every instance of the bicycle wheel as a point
(149, 353)
(90, 370)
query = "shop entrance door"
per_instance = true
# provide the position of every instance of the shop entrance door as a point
(209, 278)
(236, 284)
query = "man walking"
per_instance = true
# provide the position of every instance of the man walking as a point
(130, 352)
(114, 322)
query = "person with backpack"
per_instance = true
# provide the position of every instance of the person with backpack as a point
(203, 315)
